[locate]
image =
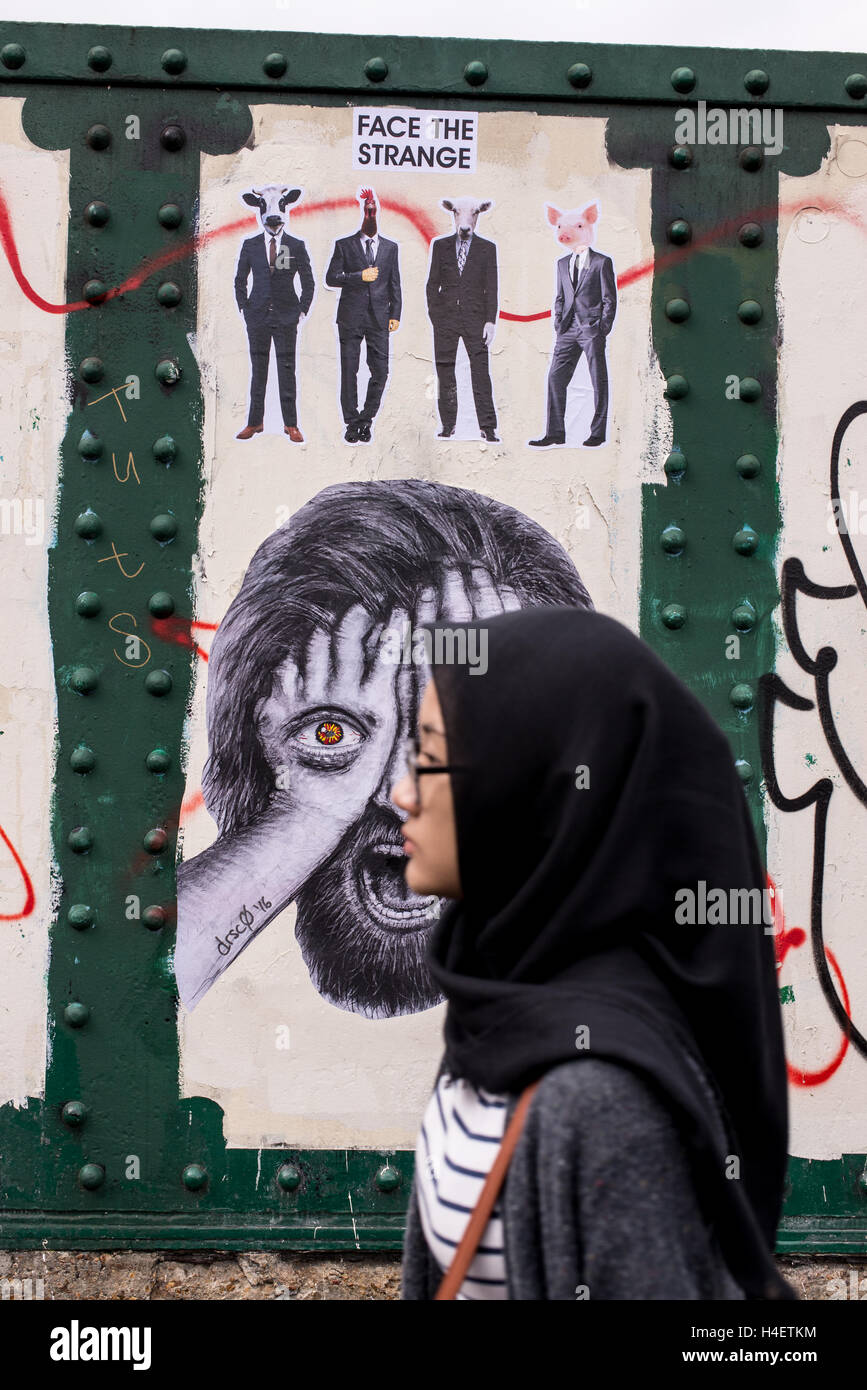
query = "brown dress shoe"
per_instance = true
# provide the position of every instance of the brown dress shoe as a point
(294, 433)
(249, 430)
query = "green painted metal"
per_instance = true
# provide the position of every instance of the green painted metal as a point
(121, 1061)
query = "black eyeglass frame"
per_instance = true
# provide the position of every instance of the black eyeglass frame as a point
(412, 749)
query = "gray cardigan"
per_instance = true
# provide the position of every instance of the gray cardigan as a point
(598, 1193)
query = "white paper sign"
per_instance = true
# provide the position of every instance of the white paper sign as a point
(398, 137)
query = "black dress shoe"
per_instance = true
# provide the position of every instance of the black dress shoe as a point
(490, 435)
(445, 434)
(351, 435)
(593, 439)
(364, 432)
(547, 441)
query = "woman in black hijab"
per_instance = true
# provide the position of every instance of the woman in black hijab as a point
(588, 794)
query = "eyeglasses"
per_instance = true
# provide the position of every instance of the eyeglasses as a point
(412, 749)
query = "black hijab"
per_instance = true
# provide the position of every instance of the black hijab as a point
(568, 909)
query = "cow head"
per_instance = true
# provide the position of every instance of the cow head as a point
(368, 198)
(575, 228)
(272, 201)
(466, 213)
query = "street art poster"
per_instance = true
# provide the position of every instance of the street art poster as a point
(377, 351)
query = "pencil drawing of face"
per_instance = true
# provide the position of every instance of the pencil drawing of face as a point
(307, 725)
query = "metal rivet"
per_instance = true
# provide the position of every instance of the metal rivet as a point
(855, 84)
(80, 916)
(745, 541)
(91, 369)
(170, 215)
(288, 1177)
(88, 604)
(680, 156)
(679, 231)
(475, 73)
(99, 58)
(749, 389)
(76, 1014)
(165, 449)
(674, 615)
(683, 79)
(676, 387)
(12, 55)
(672, 540)
(97, 214)
(744, 769)
(158, 682)
(88, 525)
(675, 464)
(174, 60)
(741, 695)
(82, 759)
(74, 1113)
(744, 616)
(158, 760)
(757, 81)
(194, 1177)
(92, 1175)
(747, 465)
(751, 159)
(751, 234)
(80, 839)
(161, 604)
(94, 291)
(155, 841)
(387, 1178)
(749, 311)
(172, 138)
(84, 679)
(167, 372)
(164, 527)
(376, 69)
(274, 65)
(154, 917)
(98, 137)
(677, 310)
(90, 446)
(169, 294)
(580, 75)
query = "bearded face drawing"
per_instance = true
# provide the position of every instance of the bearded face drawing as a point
(307, 729)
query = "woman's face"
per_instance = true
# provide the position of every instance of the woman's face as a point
(429, 833)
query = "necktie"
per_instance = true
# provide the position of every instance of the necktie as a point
(576, 274)
(272, 252)
(370, 250)
(463, 251)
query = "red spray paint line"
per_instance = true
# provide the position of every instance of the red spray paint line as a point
(423, 224)
(180, 631)
(784, 940)
(29, 895)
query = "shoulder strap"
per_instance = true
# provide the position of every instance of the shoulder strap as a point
(477, 1223)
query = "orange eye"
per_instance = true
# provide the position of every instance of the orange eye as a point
(329, 733)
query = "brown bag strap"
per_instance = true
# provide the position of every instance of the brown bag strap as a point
(481, 1215)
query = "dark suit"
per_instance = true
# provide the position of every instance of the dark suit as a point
(459, 306)
(271, 311)
(363, 312)
(582, 321)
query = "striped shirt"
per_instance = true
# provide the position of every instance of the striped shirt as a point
(460, 1136)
